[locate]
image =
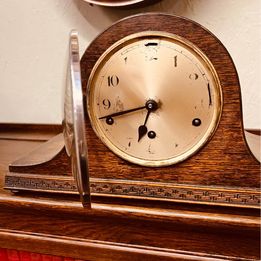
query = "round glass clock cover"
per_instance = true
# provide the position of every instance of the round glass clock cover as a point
(154, 98)
(73, 123)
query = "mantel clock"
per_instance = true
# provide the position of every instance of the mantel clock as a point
(162, 119)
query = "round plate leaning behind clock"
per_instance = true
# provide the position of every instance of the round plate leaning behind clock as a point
(154, 98)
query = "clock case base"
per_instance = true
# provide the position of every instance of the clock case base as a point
(223, 172)
(136, 190)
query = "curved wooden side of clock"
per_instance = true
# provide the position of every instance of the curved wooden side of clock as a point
(225, 162)
(60, 165)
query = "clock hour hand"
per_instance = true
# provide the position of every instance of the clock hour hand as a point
(150, 105)
(122, 112)
(142, 128)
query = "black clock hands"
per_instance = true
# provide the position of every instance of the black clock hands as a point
(122, 112)
(151, 105)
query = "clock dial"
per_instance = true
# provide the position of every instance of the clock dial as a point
(154, 99)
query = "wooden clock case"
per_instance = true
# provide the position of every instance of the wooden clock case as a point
(223, 172)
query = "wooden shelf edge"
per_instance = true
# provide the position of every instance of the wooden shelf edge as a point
(28, 132)
(214, 220)
(96, 250)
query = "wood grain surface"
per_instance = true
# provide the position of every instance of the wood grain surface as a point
(58, 232)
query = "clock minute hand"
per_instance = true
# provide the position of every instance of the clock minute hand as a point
(123, 112)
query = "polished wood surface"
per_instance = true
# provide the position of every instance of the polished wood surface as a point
(116, 230)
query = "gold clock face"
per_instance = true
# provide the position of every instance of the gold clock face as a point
(154, 99)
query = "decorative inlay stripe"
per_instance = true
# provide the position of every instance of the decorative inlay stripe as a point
(138, 189)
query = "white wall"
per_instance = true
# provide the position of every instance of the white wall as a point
(34, 39)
